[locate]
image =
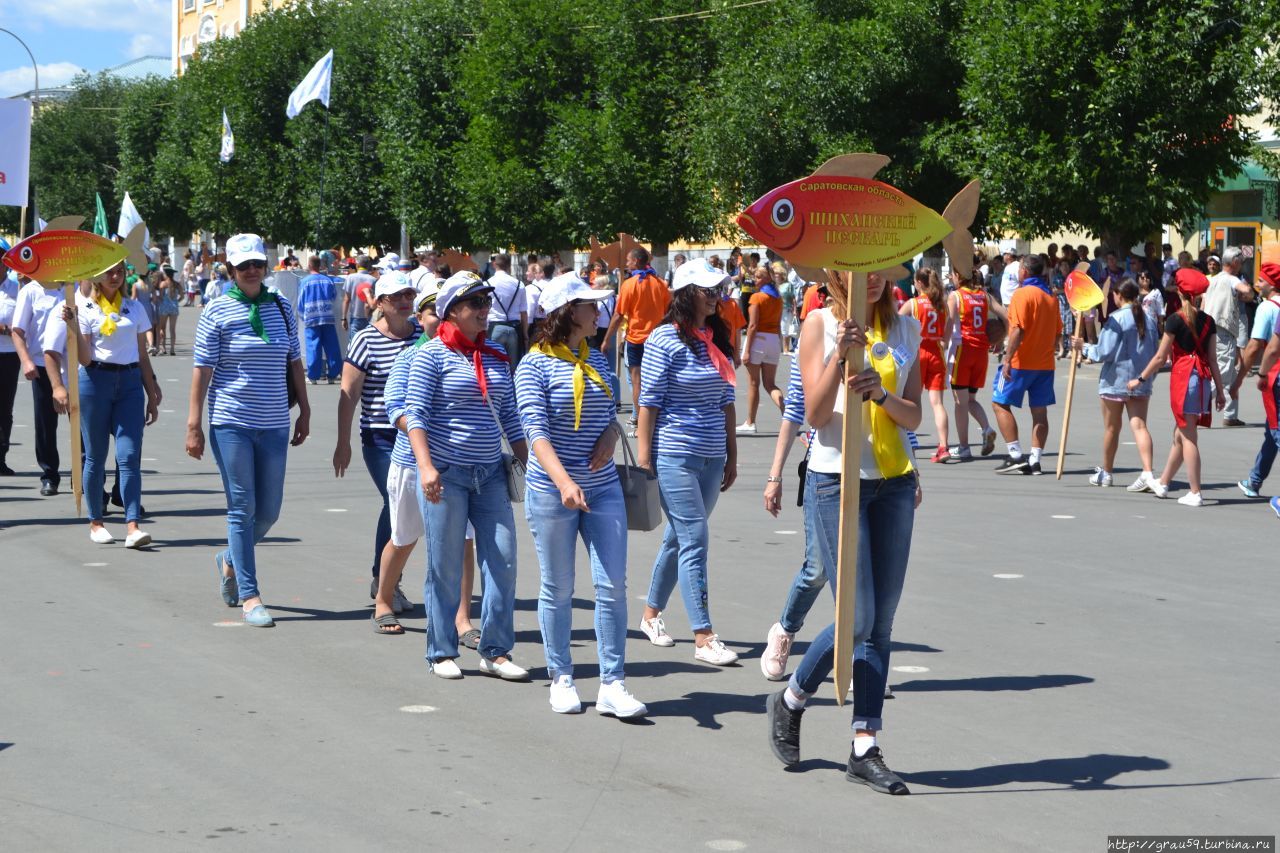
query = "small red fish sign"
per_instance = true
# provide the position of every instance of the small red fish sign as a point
(64, 256)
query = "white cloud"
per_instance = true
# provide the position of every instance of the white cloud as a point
(147, 44)
(17, 80)
(150, 16)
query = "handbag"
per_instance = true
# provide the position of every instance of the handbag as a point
(291, 387)
(512, 467)
(639, 492)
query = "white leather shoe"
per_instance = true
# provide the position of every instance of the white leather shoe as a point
(615, 699)
(715, 652)
(137, 539)
(656, 631)
(447, 668)
(101, 535)
(508, 670)
(564, 696)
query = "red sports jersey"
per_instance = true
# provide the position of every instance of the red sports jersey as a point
(931, 322)
(973, 316)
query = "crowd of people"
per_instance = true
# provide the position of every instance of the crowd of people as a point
(480, 391)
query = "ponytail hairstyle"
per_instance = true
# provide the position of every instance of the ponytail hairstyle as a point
(1129, 292)
(1189, 310)
(928, 283)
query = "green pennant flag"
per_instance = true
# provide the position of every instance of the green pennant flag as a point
(100, 219)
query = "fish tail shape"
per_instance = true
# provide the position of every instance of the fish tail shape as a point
(959, 215)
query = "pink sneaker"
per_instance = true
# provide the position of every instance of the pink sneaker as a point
(777, 648)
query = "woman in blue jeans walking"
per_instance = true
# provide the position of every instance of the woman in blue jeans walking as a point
(245, 341)
(459, 385)
(889, 395)
(687, 426)
(372, 352)
(567, 410)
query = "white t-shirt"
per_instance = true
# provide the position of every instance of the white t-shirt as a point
(604, 311)
(36, 307)
(418, 277)
(9, 288)
(1223, 305)
(121, 346)
(533, 292)
(510, 298)
(1009, 282)
(1153, 304)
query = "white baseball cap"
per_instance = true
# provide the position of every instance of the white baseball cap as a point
(566, 288)
(245, 247)
(460, 284)
(699, 273)
(391, 283)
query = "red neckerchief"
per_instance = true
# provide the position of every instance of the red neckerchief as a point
(451, 336)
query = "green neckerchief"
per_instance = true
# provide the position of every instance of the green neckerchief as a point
(255, 318)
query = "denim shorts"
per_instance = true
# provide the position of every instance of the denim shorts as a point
(635, 354)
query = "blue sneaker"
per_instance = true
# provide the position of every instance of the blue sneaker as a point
(1249, 490)
(1275, 506)
(226, 585)
(258, 617)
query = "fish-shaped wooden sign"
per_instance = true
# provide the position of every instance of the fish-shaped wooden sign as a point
(53, 256)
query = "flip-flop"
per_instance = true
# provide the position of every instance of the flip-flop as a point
(387, 624)
(471, 639)
(227, 585)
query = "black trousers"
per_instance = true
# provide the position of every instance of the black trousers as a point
(10, 368)
(46, 429)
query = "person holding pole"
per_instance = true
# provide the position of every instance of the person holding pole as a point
(889, 395)
(245, 342)
(1027, 368)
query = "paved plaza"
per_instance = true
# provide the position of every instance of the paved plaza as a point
(1069, 662)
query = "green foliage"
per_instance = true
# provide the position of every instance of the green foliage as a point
(153, 174)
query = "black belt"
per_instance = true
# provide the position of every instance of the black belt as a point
(510, 323)
(114, 368)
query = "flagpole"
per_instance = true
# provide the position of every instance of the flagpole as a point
(217, 213)
(324, 151)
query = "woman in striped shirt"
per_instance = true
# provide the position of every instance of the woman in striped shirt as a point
(245, 341)
(459, 385)
(372, 351)
(686, 426)
(566, 407)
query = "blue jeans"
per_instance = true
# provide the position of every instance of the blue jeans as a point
(323, 340)
(555, 535)
(506, 334)
(689, 486)
(252, 465)
(475, 493)
(1266, 453)
(112, 403)
(355, 324)
(808, 582)
(376, 450)
(886, 515)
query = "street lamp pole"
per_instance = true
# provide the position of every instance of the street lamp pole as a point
(35, 102)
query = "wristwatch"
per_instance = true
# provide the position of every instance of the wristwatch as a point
(883, 397)
(772, 479)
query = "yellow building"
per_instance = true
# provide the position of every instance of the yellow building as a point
(197, 22)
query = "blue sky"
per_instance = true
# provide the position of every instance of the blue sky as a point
(69, 35)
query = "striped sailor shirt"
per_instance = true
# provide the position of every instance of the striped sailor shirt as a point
(248, 384)
(688, 392)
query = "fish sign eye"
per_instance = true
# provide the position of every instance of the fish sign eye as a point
(26, 254)
(783, 213)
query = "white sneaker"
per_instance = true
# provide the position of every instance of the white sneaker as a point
(746, 429)
(137, 539)
(1191, 499)
(101, 535)
(1142, 484)
(1159, 489)
(1100, 478)
(714, 652)
(447, 668)
(564, 696)
(508, 670)
(777, 648)
(656, 631)
(399, 603)
(962, 453)
(615, 699)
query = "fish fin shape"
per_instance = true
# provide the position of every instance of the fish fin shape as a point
(137, 256)
(65, 223)
(959, 215)
(894, 274)
(810, 273)
(853, 165)
(1083, 266)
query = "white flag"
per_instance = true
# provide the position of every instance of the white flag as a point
(130, 219)
(314, 86)
(41, 224)
(228, 140)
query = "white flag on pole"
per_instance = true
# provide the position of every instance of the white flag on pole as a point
(314, 86)
(130, 219)
(228, 140)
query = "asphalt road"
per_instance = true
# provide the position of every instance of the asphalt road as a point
(1070, 663)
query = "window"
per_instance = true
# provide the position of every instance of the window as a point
(188, 5)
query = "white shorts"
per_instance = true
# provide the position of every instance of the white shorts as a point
(407, 526)
(766, 348)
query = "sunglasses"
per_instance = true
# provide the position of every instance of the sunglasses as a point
(475, 303)
(717, 291)
(249, 265)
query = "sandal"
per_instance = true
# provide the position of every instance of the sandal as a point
(471, 639)
(387, 624)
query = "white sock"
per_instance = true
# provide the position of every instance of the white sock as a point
(793, 701)
(1035, 454)
(862, 743)
(1147, 475)
(1015, 450)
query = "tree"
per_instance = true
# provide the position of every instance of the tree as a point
(149, 170)
(1108, 116)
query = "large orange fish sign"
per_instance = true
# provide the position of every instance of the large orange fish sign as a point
(64, 256)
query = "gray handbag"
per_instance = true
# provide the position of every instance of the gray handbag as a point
(512, 467)
(639, 492)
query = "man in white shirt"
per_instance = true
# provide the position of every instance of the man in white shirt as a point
(35, 309)
(509, 315)
(426, 270)
(10, 364)
(1222, 302)
(1009, 279)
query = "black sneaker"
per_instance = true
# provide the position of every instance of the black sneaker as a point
(1014, 466)
(5, 470)
(870, 770)
(1034, 469)
(48, 489)
(784, 728)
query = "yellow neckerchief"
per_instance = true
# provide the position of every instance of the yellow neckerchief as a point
(109, 309)
(886, 441)
(581, 370)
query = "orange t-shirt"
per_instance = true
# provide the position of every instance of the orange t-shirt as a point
(812, 300)
(732, 316)
(643, 302)
(1036, 313)
(770, 308)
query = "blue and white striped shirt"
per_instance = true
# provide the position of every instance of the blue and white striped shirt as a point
(372, 353)
(793, 399)
(394, 396)
(544, 392)
(316, 294)
(444, 400)
(688, 392)
(248, 384)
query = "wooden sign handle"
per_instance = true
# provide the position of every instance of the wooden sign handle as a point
(850, 497)
(73, 401)
(1071, 390)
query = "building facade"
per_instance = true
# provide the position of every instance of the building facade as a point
(197, 22)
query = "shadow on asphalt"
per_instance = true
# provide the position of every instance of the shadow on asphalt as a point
(1088, 772)
(4, 746)
(991, 683)
(221, 543)
(307, 614)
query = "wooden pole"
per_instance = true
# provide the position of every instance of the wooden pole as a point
(73, 399)
(22, 224)
(850, 497)
(1071, 390)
